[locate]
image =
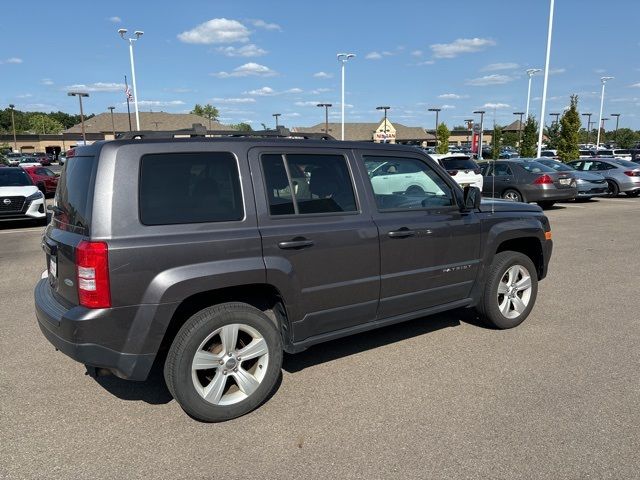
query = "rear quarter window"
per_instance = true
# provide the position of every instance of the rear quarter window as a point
(182, 188)
(72, 194)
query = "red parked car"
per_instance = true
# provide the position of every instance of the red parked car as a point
(43, 178)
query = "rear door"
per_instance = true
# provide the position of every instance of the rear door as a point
(319, 242)
(429, 250)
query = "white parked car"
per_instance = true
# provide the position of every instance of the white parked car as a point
(400, 178)
(464, 170)
(20, 199)
(616, 153)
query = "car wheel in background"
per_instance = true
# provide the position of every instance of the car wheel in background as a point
(546, 204)
(614, 190)
(512, 195)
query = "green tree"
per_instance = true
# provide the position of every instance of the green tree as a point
(529, 140)
(570, 132)
(626, 138)
(44, 124)
(496, 140)
(242, 126)
(552, 133)
(206, 111)
(442, 135)
(509, 139)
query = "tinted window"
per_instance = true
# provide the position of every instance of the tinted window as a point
(502, 169)
(626, 163)
(558, 166)
(460, 163)
(535, 167)
(189, 188)
(307, 183)
(407, 184)
(73, 191)
(14, 177)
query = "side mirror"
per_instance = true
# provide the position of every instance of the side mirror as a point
(471, 198)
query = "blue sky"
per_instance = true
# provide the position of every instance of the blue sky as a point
(252, 58)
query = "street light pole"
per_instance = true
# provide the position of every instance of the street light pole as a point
(530, 72)
(13, 127)
(601, 129)
(588, 115)
(113, 125)
(554, 115)
(519, 127)
(138, 34)
(385, 121)
(435, 132)
(469, 122)
(604, 80)
(481, 112)
(617, 115)
(326, 116)
(80, 95)
(546, 77)
(343, 58)
(276, 115)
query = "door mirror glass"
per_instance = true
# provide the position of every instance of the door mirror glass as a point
(472, 198)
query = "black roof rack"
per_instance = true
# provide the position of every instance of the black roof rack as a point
(198, 130)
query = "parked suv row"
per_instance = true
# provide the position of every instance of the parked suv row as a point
(215, 255)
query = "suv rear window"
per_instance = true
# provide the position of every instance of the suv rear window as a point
(460, 163)
(179, 188)
(73, 192)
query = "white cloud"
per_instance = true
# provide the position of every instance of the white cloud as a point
(294, 90)
(556, 71)
(216, 30)
(46, 81)
(250, 50)
(494, 79)
(461, 45)
(262, 92)
(115, 19)
(265, 25)
(635, 85)
(292, 114)
(492, 67)
(158, 103)
(309, 103)
(496, 105)
(318, 91)
(452, 96)
(14, 60)
(426, 62)
(447, 107)
(599, 70)
(247, 70)
(97, 87)
(323, 75)
(417, 53)
(24, 95)
(373, 56)
(233, 100)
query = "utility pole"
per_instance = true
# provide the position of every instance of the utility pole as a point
(343, 58)
(326, 116)
(554, 115)
(588, 115)
(435, 132)
(469, 122)
(80, 95)
(546, 77)
(276, 115)
(481, 112)
(617, 115)
(13, 126)
(113, 125)
(603, 80)
(138, 34)
(519, 127)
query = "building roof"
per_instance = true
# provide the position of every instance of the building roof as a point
(513, 127)
(365, 131)
(101, 123)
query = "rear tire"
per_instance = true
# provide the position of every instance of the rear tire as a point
(614, 190)
(510, 290)
(512, 195)
(546, 204)
(205, 370)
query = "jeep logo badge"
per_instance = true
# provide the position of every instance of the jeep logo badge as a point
(6, 201)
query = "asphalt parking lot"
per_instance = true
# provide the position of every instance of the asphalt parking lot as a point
(440, 397)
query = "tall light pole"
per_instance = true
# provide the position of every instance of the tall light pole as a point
(601, 129)
(385, 121)
(326, 116)
(603, 80)
(113, 125)
(435, 132)
(617, 115)
(546, 77)
(80, 95)
(276, 115)
(519, 127)
(481, 112)
(13, 127)
(343, 58)
(588, 115)
(531, 72)
(131, 40)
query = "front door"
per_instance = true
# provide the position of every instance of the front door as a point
(429, 250)
(320, 245)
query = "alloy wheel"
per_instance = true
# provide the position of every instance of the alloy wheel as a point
(514, 291)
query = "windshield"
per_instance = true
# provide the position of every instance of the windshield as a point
(536, 167)
(10, 177)
(558, 166)
(626, 163)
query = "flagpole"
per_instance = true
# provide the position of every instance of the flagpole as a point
(126, 94)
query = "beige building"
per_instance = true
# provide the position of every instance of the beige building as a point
(373, 132)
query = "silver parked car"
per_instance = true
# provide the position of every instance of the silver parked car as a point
(589, 184)
(621, 175)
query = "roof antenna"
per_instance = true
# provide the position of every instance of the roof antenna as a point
(493, 186)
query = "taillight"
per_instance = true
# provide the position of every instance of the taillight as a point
(71, 152)
(631, 173)
(543, 180)
(92, 266)
(452, 172)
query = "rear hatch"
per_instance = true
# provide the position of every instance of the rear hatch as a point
(463, 169)
(70, 224)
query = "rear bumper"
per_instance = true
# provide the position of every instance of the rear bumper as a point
(123, 340)
(592, 190)
(551, 194)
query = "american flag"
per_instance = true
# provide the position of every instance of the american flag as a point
(127, 92)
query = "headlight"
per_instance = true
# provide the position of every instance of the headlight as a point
(35, 196)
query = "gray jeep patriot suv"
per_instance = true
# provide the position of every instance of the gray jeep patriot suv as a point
(216, 253)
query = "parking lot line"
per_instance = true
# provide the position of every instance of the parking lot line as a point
(22, 230)
(573, 206)
(618, 200)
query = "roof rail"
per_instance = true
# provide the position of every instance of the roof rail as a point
(198, 130)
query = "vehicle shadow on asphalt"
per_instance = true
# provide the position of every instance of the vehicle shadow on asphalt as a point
(362, 342)
(153, 390)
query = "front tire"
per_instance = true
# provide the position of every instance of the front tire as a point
(224, 362)
(614, 190)
(510, 290)
(512, 195)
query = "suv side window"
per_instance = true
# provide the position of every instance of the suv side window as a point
(502, 170)
(180, 188)
(408, 184)
(308, 183)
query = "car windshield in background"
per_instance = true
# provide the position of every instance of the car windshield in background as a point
(535, 167)
(626, 163)
(558, 166)
(14, 178)
(460, 163)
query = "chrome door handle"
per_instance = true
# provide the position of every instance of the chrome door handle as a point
(295, 244)
(402, 233)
